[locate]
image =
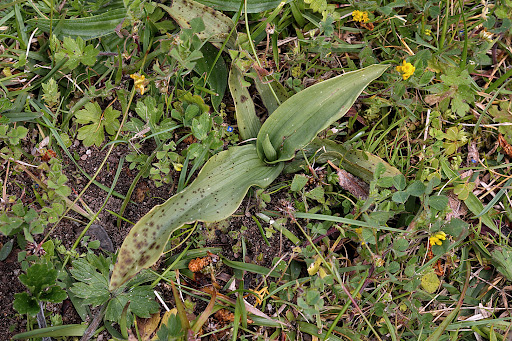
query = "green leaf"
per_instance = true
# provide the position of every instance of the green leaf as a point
(142, 301)
(502, 260)
(317, 194)
(201, 127)
(93, 133)
(54, 294)
(456, 227)
(248, 123)
(55, 331)
(299, 181)
(400, 197)
(417, 188)
(269, 150)
(253, 6)
(38, 277)
(87, 28)
(399, 182)
(214, 195)
(92, 285)
(217, 79)
(298, 120)
(438, 202)
(25, 304)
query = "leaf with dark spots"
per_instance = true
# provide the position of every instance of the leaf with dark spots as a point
(216, 205)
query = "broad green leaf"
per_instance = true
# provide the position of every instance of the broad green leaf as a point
(87, 28)
(253, 6)
(217, 25)
(248, 122)
(298, 120)
(214, 195)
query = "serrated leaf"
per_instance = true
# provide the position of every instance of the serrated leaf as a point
(93, 133)
(214, 195)
(54, 294)
(25, 304)
(38, 277)
(142, 301)
(298, 120)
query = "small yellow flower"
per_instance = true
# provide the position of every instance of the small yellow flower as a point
(406, 69)
(177, 166)
(259, 294)
(360, 16)
(139, 82)
(428, 32)
(437, 238)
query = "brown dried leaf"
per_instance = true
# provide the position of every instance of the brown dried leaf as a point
(148, 326)
(351, 183)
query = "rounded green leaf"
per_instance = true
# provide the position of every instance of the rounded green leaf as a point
(298, 120)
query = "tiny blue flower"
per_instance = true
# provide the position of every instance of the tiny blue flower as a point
(230, 129)
(473, 160)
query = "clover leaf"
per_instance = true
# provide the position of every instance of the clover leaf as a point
(96, 121)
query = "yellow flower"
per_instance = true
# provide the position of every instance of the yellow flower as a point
(177, 166)
(428, 32)
(437, 238)
(259, 294)
(139, 82)
(406, 69)
(360, 16)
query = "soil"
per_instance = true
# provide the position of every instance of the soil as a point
(145, 196)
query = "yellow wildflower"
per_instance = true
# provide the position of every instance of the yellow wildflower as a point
(315, 266)
(437, 238)
(259, 294)
(406, 69)
(177, 166)
(428, 32)
(139, 82)
(360, 16)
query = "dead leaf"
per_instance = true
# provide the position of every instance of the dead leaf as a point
(148, 326)
(351, 183)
